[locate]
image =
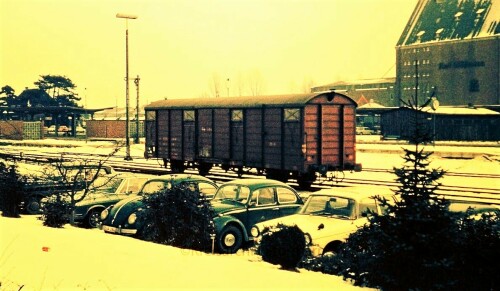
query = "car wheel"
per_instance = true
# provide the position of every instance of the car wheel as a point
(230, 240)
(93, 218)
(33, 205)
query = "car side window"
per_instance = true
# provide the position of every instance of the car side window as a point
(285, 195)
(367, 206)
(155, 186)
(134, 185)
(265, 196)
(207, 189)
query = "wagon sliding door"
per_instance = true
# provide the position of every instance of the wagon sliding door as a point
(221, 134)
(163, 147)
(272, 138)
(205, 130)
(237, 135)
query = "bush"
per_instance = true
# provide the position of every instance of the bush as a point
(179, 217)
(283, 245)
(11, 190)
(56, 211)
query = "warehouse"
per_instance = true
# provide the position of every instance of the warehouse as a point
(443, 123)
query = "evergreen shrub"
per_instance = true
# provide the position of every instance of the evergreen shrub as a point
(56, 211)
(178, 216)
(283, 245)
(11, 190)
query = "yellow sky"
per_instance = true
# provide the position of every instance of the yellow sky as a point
(179, 47)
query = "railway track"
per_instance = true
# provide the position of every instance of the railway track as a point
(337, 179)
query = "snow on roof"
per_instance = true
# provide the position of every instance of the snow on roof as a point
(371, 104)
(461, 111)
(435, 21)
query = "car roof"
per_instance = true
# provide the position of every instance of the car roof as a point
(356, 193)
(476, 206)
(255, 183)
(178, 178)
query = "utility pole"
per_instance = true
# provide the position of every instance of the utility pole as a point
(136, 82)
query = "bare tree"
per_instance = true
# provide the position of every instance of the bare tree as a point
(215, 85)
(80, 176)
(256, 82)
(307, 84)
(240, 84)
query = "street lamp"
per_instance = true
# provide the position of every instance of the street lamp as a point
(127, 121)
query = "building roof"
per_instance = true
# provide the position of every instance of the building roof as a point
(460, 111)
(441, 20)
(358, 82)
(452, 110)
(370, 105)
(241, 102)
(49, 109)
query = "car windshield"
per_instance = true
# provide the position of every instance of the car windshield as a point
(106, 184)
(233, 193)
(326, 205)
(155, 186)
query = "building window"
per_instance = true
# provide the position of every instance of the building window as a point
(189, 115)
(474, 85)
(237, 115)
(292, 114)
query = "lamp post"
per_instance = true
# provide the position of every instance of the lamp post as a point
(127, 120)
(136, 82)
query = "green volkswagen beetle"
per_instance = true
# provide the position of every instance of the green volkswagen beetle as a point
(106, 191)
(241, 203)
(121, 218)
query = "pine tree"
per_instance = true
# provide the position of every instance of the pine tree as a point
(418, 244)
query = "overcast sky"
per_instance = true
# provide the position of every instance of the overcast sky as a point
(179, 47)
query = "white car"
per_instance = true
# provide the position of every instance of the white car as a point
(329, 216)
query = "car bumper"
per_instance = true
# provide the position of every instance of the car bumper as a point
(118, 230)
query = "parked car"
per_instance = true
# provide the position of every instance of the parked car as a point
(329, 216)
(362, 130)
(121, 218)
(476, 208)
(241, 203)
(106, 191)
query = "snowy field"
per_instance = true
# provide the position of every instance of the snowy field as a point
(36, 257)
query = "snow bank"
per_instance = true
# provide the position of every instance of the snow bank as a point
(71, 258)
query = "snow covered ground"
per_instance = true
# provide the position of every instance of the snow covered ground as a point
(36, 257)
(41, 258)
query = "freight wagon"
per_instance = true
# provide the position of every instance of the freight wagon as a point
(283, 137)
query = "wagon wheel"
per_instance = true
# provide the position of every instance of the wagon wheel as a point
(304, 184)
(204, 168)
(177, 166)
(305, 181)
(277, 175)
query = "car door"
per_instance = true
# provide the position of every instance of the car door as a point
(263, 206)
(288, 200)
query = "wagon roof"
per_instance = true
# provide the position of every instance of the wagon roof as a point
(248, 101)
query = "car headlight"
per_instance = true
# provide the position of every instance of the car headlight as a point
(254, 231)
(308, 239)
(132, 218)
(104, 214)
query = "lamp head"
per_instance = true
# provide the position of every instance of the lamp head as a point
(127, 16)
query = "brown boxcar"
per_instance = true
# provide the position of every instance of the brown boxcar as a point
(286, 136)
